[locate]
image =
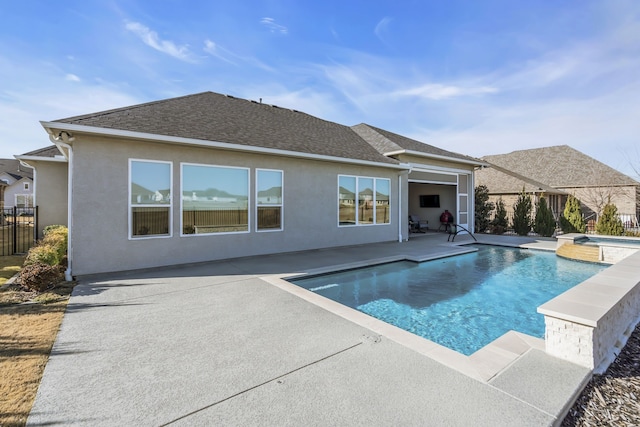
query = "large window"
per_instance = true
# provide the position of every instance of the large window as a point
(24, 201)
(363, 200)
(269, 200)
(150, 199)
(215, 199)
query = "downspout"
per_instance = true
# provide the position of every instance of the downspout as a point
(59, 141)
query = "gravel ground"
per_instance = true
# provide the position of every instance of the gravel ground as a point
(611, 399)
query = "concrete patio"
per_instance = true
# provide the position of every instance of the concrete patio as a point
(229, 343)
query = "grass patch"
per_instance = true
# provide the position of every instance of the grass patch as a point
(29, 323)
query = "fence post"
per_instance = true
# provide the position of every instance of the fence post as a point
(15, 231)
(35, 224)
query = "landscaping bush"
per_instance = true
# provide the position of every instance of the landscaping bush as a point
(571, 220)
(522, 214)
(544, 223)
(483, 208)
(43, 254)
(499, 222)
(41, 277)
(44, 264)
(609, 223)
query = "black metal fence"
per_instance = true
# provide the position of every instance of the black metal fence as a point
(18, 227)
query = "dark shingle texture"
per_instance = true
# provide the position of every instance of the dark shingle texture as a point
(51, 151)
(385, 142)
(502, 181)
(210, 116)
(560, 166)
(15, 169)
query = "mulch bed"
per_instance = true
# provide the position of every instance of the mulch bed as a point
(611, 399)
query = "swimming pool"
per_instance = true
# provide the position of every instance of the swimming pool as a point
(462, 302)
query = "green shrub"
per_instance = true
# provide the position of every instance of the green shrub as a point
(522, 214)
(41, 277)
(499, 222)
(54, 227)
(57, 237)
(544, 223)
(43, 254)
(609, 223)
(571, 220)
(483, 208)
(45, 262)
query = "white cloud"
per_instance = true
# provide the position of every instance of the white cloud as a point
(214, 50)
(270, 23)
(150, 38)
(382, 28)
(437, 91)
(72, 78)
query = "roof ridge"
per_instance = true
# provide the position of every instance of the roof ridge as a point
(130, 107)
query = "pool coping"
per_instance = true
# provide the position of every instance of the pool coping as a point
(483, 365)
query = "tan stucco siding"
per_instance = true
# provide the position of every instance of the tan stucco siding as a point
(100, 213)
(51, 193)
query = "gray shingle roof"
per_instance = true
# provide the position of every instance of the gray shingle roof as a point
(502, 181)
(51, 151)
(560, 166)
(210, 116)
(386, 142)
(15, 169)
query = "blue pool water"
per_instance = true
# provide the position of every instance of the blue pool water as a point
(462, 302)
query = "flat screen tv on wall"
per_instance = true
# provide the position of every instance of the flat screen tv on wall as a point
(430, 201)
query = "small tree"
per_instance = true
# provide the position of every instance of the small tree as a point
(483, 208)
(609, 222)
(571, 220)
(522, 214)
(500, 220)
(544, 223)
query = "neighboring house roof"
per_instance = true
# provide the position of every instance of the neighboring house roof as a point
(15, 169)
(502, 181)
(50, 151)
(210, 116)
(561, 166)
(390, 143)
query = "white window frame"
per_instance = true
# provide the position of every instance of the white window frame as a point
(280, 205)
(131, 205)
(28, 198)
(248, 170)
(357, 199)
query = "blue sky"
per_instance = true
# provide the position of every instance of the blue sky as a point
(475, 77)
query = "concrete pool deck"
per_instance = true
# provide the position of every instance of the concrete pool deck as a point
(225, 343)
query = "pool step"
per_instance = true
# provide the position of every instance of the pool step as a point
(579, 252)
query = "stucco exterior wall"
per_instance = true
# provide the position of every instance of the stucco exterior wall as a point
(51, 193)
(310, 211)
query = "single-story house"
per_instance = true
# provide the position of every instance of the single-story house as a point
(210, 176)
(16, 184)
(557, 172)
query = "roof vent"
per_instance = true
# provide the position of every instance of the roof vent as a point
(229, 96)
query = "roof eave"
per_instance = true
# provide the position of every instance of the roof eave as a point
(53, 128)
(437, 157)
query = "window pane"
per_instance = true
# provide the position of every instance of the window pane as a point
(365, 200)
(269, 217)
(269, 186)
(347, 200)
(214, 199)
(150, 221)
(150, 183)
(382, 201)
